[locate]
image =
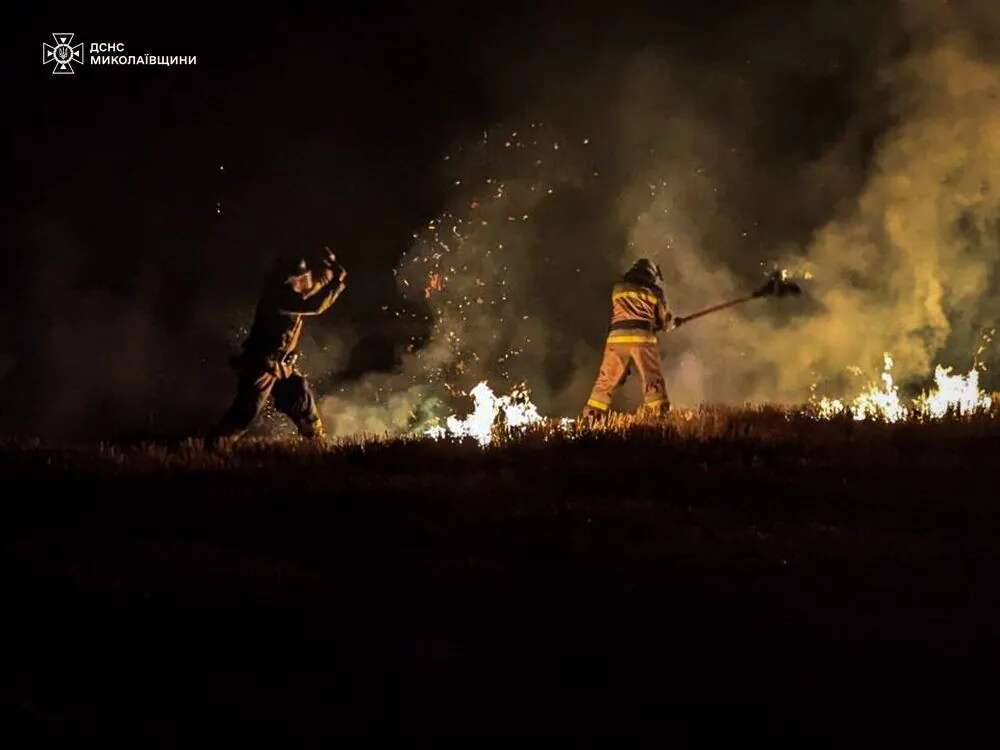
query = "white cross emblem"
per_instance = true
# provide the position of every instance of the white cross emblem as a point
(63, 53)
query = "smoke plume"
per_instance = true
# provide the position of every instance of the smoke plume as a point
(891, 212)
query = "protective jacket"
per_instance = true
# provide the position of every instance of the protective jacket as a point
(278, 320)
(637, 313)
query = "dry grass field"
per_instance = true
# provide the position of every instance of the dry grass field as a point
(755, 564)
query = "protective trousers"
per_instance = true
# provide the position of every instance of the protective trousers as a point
(292, 397)
(618, 357)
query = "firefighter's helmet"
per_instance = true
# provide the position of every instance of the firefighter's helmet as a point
(291, 264)
(646, 272)
(291, 269)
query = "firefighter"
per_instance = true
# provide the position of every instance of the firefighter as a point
(638, 311)
(266, 367)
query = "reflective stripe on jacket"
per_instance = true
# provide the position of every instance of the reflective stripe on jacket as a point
(637, 313)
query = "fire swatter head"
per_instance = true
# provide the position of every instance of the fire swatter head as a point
(778, 285)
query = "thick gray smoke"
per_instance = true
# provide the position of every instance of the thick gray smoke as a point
(894, 216)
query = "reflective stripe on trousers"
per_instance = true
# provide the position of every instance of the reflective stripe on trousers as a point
(620, 353)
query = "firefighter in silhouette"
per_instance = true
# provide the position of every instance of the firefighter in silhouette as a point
(638, 311)
(298, 287)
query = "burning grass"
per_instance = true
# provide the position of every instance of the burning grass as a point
(797, 427)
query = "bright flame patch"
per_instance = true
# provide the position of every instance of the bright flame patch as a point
(513, 411)
(950, 394)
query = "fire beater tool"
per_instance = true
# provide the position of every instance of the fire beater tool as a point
(777, 285)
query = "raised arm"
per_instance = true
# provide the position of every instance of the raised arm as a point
(289, 303)
(322, 294)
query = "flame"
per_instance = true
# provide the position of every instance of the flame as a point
(880, 402)
(953, 393)
(950, 394)
(515, 410)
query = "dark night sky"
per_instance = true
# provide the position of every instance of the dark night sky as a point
(330, 127)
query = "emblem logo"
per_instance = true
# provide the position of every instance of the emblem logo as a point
(62, 54)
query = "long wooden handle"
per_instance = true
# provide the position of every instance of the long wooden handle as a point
(714, 308)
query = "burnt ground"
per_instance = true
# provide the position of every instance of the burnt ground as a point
(786, 577)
